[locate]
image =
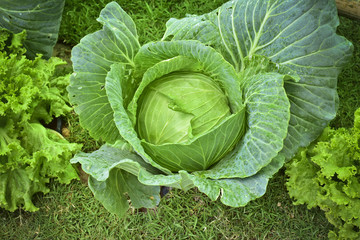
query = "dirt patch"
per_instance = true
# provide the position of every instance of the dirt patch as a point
(62, 51)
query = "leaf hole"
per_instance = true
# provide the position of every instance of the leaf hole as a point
(335, 178)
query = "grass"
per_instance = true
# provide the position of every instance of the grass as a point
(150, 28)
(71, 211)
(349, 79)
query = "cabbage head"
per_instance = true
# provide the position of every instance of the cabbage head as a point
(220, 103)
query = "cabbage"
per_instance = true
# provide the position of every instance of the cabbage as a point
(220, 103)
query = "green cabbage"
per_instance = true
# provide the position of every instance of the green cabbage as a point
(191, 105)
(219, 103)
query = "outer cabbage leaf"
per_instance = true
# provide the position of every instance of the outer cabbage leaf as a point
(112, 192)
(114, 170)
(112, 160)
(268, 113)
(117, 42)
(41, 20)
(238, 192)
(121, 155)
(298, 35)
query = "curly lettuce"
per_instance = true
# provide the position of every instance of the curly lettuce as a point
(327, 174)
(30, 96)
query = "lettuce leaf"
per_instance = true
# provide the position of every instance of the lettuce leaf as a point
(327, 174)
(30, 154)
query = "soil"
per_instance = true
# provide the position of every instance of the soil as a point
(62, 51)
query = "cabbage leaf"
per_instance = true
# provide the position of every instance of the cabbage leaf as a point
(41, 20)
